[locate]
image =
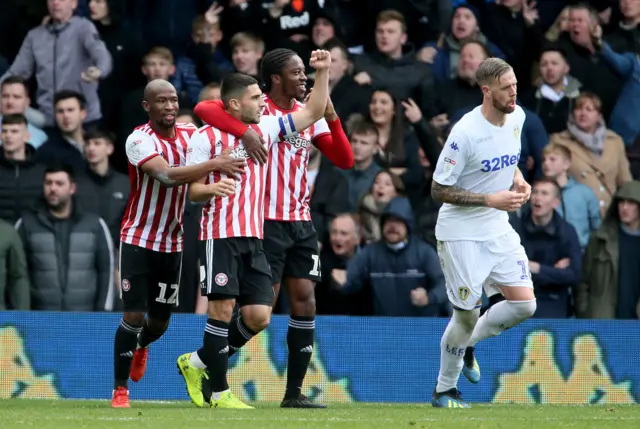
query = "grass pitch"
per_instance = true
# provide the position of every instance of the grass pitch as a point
(68, 414)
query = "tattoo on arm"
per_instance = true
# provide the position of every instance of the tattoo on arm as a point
(456, 196)
(163, 177)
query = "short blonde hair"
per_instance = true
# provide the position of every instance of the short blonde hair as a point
(557, 148)
(491, 69)
(160, 52)
(243, 39)
(586, 97)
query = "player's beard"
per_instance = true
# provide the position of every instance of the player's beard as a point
(503, 108)
(250, 116)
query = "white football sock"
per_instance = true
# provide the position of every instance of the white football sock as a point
(216, 395)
(502, 316)
(452, 346)
(195, 360)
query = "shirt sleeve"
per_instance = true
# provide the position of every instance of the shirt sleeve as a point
(199, 149)
(140, 148)
(452, 160)
(320, 128)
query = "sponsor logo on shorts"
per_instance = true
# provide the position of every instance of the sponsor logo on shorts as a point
(221, 279)
(125, 285)
(463, 292)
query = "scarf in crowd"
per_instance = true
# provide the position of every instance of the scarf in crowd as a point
(594, 142)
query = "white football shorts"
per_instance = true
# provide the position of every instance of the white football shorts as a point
(470, 266)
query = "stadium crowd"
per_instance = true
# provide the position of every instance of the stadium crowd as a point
(403, 72)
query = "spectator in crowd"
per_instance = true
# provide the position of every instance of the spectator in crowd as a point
(125, 46)
(598, 155)
(461, 92)
(343, 245)
(579, 206)
(595, 76)
(66, 143)
(425, 207)
(444, 54)
(16, 100)
(610, 287)
(20, 173)
(210, 91)
(403, 271)
(347, 96)
(393, 67)
(554, 98)
(514, 26)
(65, 53)
(624, 118)
(101, 190)
(329, 191)
(364, 143)
(15, 293)
(397, 142)
(626, 35)
(70, 254)
(386, 186)
(246, 53)
(202, 62)
(553, 250)
(559, 26)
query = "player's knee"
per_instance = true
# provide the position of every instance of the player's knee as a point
(134, 319)
(221, 309)
(258, 318)
(525, 309)
(302, 298)
(467, 318)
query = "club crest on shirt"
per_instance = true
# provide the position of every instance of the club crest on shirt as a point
(463, 292)
(516, 131)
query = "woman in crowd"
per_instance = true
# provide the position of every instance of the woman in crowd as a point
(598, 154)
(386, 186)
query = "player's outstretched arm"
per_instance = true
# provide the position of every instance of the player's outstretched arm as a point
(458, 196)
(314, 110)
(142, 153)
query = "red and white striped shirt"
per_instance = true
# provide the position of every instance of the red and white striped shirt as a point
(153, 218)
(241, 214)
(288, 193)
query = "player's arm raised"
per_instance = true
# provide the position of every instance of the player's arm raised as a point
(314, 110)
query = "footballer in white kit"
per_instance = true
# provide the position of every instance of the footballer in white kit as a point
(478, 181)
(477, 245)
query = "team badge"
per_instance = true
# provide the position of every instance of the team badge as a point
(463, 292)
(516, 131)
(221, 279)
(125, 285)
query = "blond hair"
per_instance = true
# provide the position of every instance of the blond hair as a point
(491, 69)
(552, 148)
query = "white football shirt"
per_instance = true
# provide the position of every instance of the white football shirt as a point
(481, 158)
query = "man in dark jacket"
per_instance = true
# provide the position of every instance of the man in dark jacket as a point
(69, 253)
(404, 272)
(20, 174)
(610, 287)
(101, 189)
(553, 249)
(393, 64)
(14, 279)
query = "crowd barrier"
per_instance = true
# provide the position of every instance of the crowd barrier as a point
(70, 355)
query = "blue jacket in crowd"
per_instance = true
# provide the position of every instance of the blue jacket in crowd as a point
(393, 274)
(547, 245)
(580, 207)
(624, 118)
